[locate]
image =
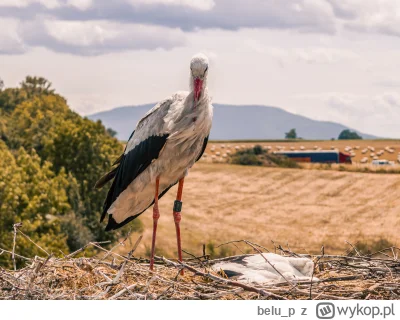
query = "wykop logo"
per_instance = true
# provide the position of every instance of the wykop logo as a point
(325, 310)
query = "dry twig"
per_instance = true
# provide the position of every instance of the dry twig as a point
(115, 276)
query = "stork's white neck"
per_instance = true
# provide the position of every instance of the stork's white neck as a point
(203, 99)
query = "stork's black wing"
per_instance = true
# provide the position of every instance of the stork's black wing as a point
(132, 164)
(203, 149)
(112, 224)
(111, 174)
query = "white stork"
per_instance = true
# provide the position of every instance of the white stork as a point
(166, 143)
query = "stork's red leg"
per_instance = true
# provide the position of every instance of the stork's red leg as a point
(178, 217)
(156, 216)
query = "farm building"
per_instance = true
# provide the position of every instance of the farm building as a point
(317, 156)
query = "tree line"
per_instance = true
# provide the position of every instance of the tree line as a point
(344, 135)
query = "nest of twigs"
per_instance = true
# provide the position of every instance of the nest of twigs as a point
(114, 276)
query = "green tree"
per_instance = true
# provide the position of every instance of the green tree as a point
(36, 119)
(34, 122)
(292, 134)
(36, 86)
(84, 149)
(10, 98)
(111, 132)
(80, 146)
(3, 126)
(31, 193)
(349, 135)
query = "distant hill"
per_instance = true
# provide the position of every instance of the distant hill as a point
(235, 123)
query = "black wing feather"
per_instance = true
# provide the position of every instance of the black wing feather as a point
(118, 159)
(113, 225)
(110, 175)
(107, 177)
(203, 149)
(133, 164)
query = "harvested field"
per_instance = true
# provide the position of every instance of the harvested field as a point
(303, 208)
(383, 149)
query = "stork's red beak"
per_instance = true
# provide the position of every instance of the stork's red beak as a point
(198, 85)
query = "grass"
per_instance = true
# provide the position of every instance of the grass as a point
(367, 247)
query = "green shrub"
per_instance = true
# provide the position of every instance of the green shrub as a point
(247, 160)
(258, 150)
(257, 156)
(283, 162)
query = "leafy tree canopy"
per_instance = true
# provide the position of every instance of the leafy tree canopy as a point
(112, 132)
(36, 86)
(349, 135)
(31, 193)
(292, 134)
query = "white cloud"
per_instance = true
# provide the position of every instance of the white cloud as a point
(323, 55)
(311, 55)
(301, 15)
(368, 112)
(387, 102)
(315, 16)
(80, 4)
(380, 16)
(82, 34)
(340, 101)
(49, 4)
(96, 37)
(10, 40)
(195, 4)
(388, 83)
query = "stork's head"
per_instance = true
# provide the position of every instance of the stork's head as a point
(199, 70)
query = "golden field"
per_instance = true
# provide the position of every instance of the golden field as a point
(304, 209)
(357, 146)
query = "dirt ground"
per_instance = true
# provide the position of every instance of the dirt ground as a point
(304, 209)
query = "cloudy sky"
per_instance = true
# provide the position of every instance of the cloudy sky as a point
(335, 60)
